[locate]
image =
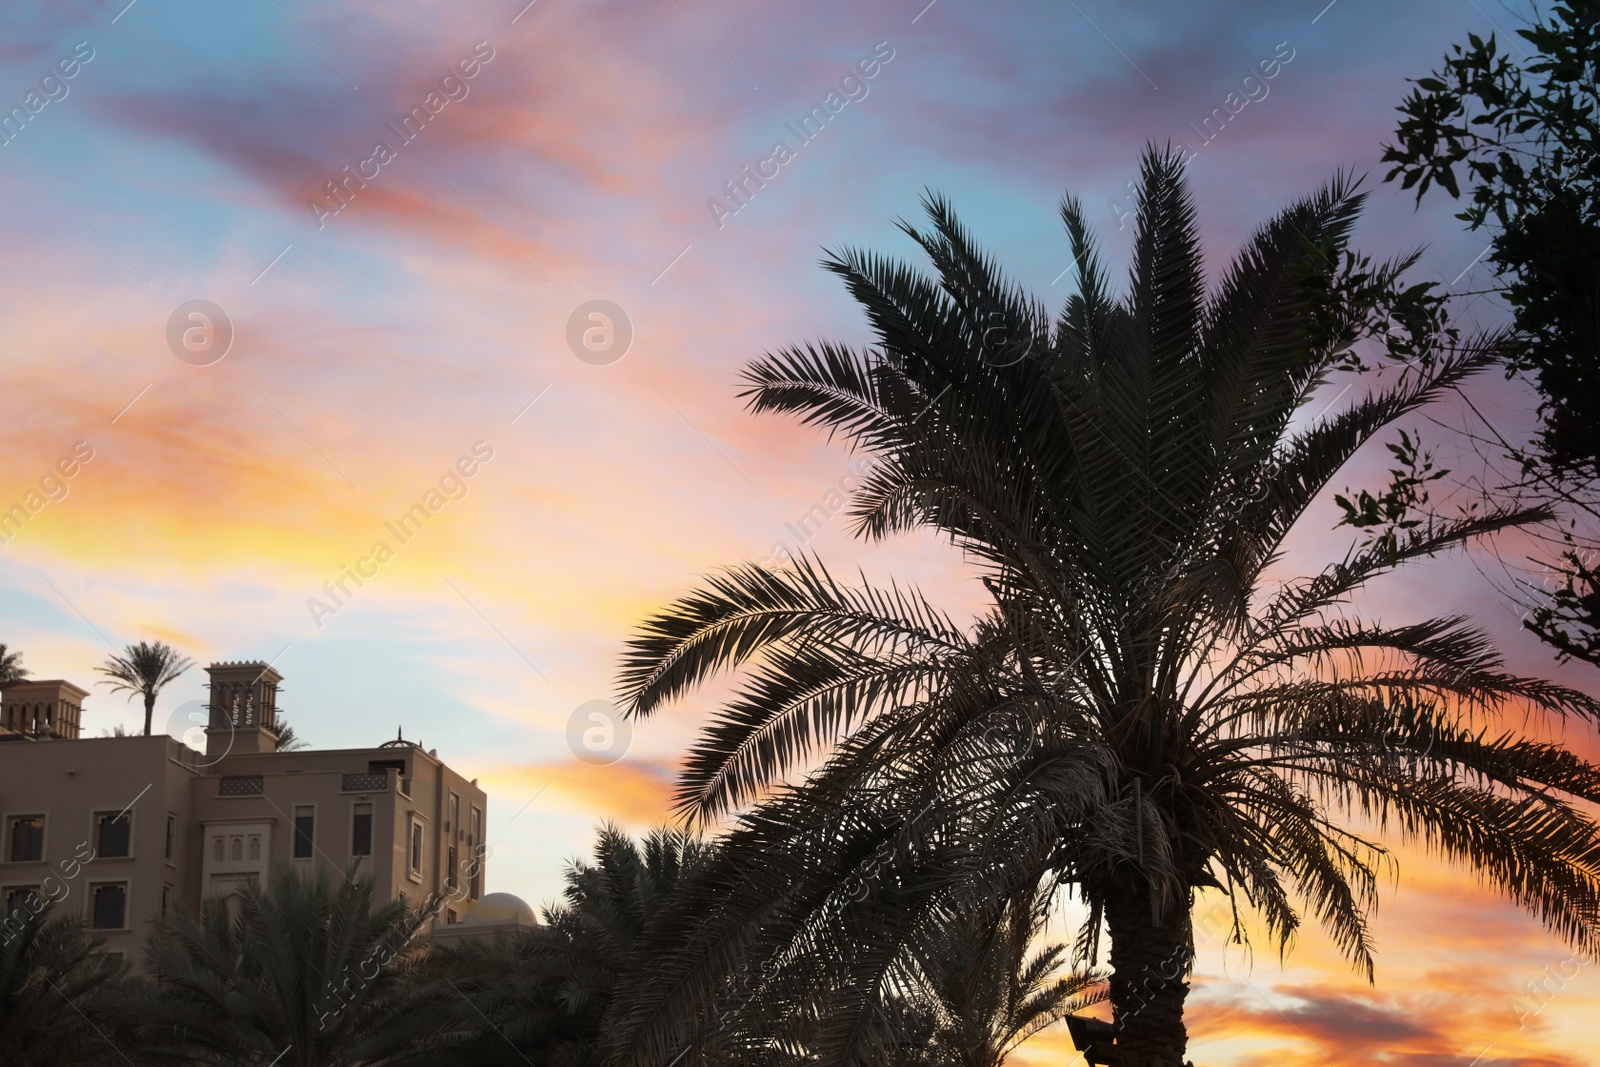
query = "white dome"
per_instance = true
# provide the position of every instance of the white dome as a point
(499, 908)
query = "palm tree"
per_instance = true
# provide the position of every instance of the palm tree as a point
(311, 973)
(11, 668)
(1141, 711)
(551, 994)
(984, 994)
(144, 670)
(287, 740)
(53, 975)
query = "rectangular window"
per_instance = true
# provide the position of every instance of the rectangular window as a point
(453, 823)
(110, 907)
(21, 898)
(361, 831)
(450, 870)
(166, 899)
(416, 847)
(27, 838)
(476, 850)
(115, 830)
(449, 916)
(304, 827)
(172, 836)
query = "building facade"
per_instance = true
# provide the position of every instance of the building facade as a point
(121, 829)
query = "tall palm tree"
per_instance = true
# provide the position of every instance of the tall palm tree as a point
(551, 994)
(310, 973)
(11, 668)
(53, 978)
(1141, 711)
(144, 670)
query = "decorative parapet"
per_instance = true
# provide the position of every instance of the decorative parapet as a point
(241, 785)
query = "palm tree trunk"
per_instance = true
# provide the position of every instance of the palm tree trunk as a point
(149, 711)
(1149, 978)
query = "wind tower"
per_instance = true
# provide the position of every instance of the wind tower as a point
(243, 709)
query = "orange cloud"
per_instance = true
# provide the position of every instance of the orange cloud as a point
(632, 792)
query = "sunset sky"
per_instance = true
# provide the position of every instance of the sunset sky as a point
(586, 157)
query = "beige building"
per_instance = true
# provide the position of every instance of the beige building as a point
(123, 828)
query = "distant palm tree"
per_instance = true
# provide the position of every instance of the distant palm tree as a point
(310, 972)
(981, 995)
(53, 975)
(550, 995)
(11, 668)
(287, 741)
(1145, 709)
(144, 670)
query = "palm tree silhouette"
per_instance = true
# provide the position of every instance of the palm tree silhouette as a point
(311, 972)
(51, 970)
(144, 670)
(1145, 710)
(11, 668)
(288, 740)
(550, 995)
(982, 995)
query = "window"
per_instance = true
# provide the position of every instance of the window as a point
(449, 916)
(304, 827)
(216, 849)
(115, 830)
(172, 837)
(450, 869)
(255, 847)
(476, 851)
(21, 898)
(166, 899)
(110, 906)
(236, 848)
(27, 838)
(416, 846)
(361, 831)
(454, 816)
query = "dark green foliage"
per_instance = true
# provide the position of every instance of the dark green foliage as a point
(1402, 505)
(310, 972)
(984, 993)
(1569, 619)
(1521, 133)
(550, 996)
(54, 979)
